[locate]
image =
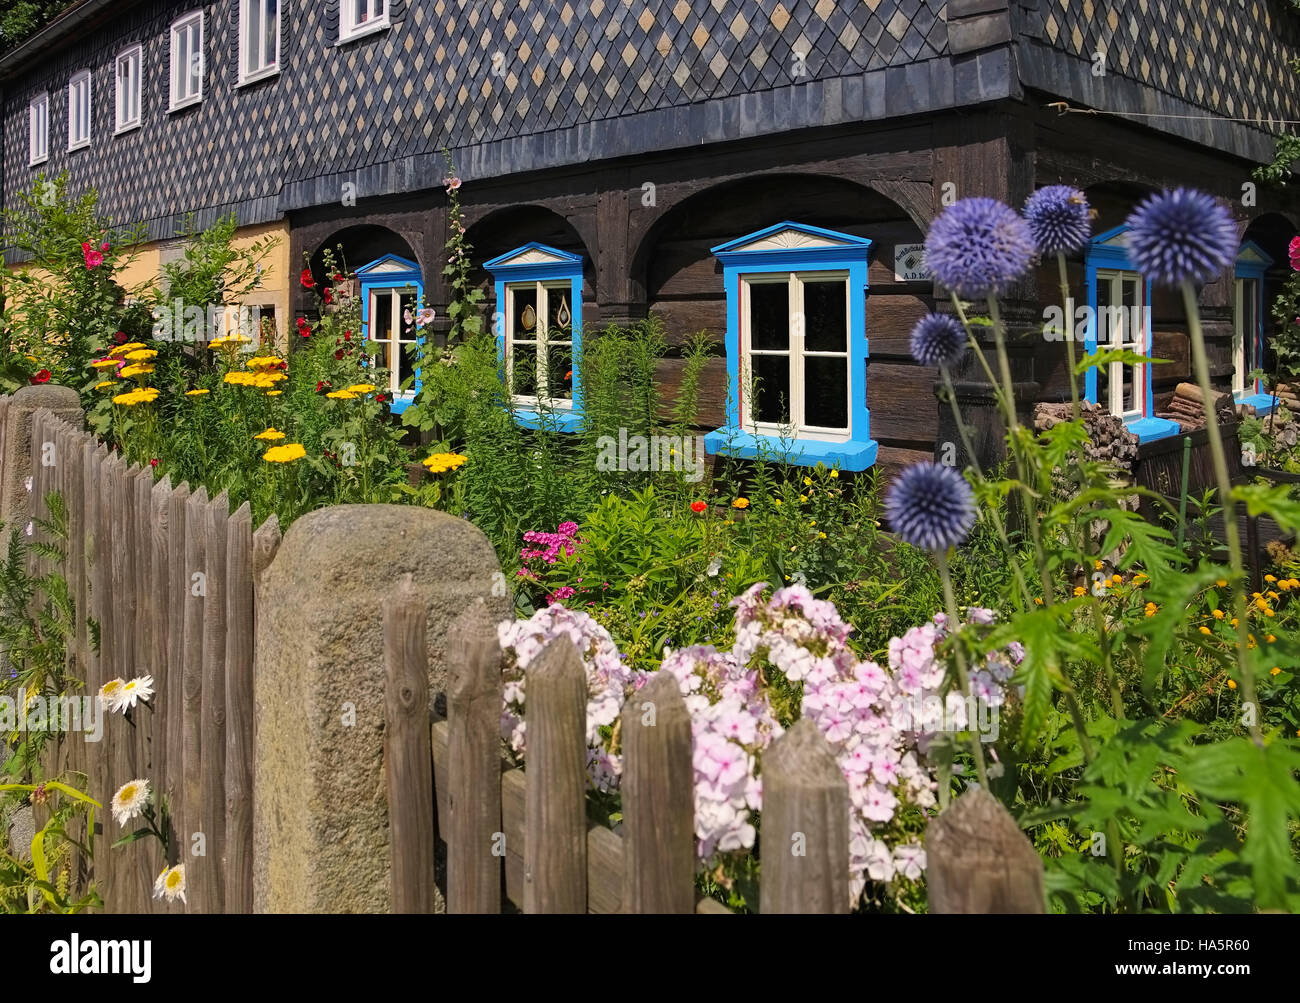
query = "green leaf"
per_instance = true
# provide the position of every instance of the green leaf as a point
(1173, 596)
(1274, 500)
(1106, 356)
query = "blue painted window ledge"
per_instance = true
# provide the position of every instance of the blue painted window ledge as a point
(851, 456)
(561, 419)
(1262, 403)
(1151, 429)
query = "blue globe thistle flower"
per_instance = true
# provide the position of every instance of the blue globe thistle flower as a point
(938, 340)
(1058, 217)
(930, 506)
(978, 247)
(1181, 236)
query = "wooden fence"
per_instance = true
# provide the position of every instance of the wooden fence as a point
(525, 834)
(168, 575)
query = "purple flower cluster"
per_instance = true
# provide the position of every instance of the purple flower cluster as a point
(930, 506)
(978, 247)
(609, 680)
(1181, 236)
(1059, 219)
(551, 545)
(851, 701)
(938, 340)
(879, 721)
(731, 722)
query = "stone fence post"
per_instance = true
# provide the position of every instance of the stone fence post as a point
(16, 413)
(320, 816)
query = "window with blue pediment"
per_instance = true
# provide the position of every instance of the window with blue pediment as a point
(539, 333)
(796, 347)
(391, 293)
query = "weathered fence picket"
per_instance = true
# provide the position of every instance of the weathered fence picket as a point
(408, 767)
(237, 862)
(658, 803)
(473, 817)
(555, 852)
(212, 811)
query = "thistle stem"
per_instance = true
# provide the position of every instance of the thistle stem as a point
(1202, 366)
(1069, 333)
(1023, 596)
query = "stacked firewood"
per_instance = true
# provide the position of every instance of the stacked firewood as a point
(1108, 439)
(1187, 407)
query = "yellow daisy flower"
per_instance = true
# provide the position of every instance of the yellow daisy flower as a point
(287, 453)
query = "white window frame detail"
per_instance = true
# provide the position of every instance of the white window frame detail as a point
(541, 339)
(251, 11)
(38, 129)
(129, 92)
(80, 110)
(350, 27)
(1114, 401)
(395, 338)
(1243, 340)
(796, 403)
(185, 24)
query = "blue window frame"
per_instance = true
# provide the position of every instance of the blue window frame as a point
(392, 290)
(538, 327)
(1119, 316)
(1248, 327)
(796, 348)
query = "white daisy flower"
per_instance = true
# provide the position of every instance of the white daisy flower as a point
(133, 690)
(111, 694)
(170, 884)
(129, 801)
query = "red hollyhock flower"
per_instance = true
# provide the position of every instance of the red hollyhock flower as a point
(699, 506)
(381, 398)
(120, 337)
(319, 385)
(347, 335)
(153, 463)
(41, 376)
(338, 354)
(307, 281)
(338, 276)
(329, 294)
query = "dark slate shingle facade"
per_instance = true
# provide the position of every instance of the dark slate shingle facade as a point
(513, 85)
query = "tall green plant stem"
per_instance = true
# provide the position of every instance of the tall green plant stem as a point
(1202, 365)
(1025, 599)
(1098, 616)
(963, 677)
(1022, 468)
(1068, 333)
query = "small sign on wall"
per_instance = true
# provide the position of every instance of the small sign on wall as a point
(909, 263)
